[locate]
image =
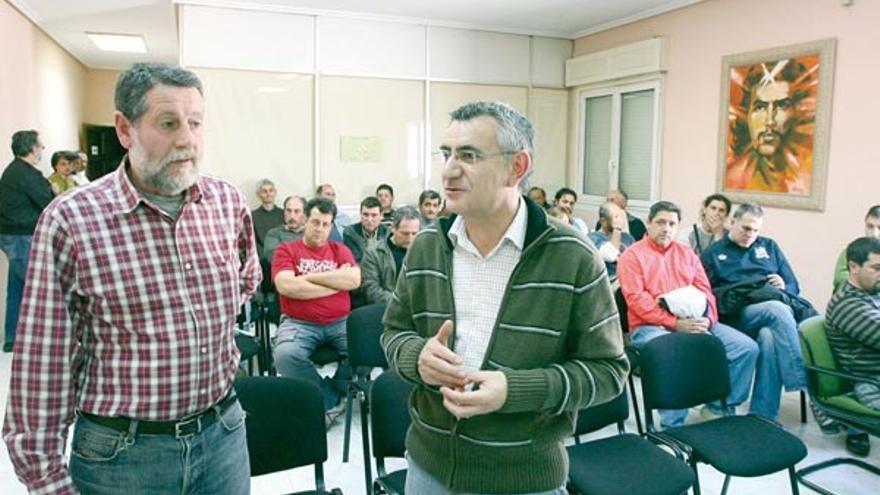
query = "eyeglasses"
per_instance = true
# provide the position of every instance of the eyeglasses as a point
(469, 156)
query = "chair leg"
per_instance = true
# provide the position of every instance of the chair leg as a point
(803, 407)
(792, 476)
(726, 484)
(365, 441)
(635, 404)
(696, 477)
(346, 442)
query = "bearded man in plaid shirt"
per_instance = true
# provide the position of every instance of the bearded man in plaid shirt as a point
(127, 321)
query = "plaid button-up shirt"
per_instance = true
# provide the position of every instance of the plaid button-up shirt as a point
(126, 312)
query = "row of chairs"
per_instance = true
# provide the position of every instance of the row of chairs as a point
(633, 355)
(669, 380)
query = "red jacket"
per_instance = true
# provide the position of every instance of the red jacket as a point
(646, 271)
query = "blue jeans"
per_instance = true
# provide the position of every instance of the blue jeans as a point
(104, 461)
(419, 481)
(780, 362)
(17, 249)
(741, 351)
(296, 340)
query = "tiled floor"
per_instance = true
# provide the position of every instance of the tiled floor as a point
(350, 476)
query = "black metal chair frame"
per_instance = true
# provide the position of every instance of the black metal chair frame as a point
(363, 329)
(389, 422)
(280, 412)
(616, 411)
(714, 364)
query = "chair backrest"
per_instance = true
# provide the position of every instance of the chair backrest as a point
(817, 352)
(597, 417)
(620, 301)
(285, 423)
(364, 329)
(389, 415)
(682, 370)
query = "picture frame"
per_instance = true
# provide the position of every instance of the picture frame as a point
(775, 123)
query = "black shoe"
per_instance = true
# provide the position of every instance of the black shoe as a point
(858, 444)
(7, 346)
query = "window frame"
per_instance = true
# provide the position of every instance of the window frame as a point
(616, 89)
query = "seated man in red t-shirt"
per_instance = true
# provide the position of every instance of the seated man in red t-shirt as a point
(313, 277)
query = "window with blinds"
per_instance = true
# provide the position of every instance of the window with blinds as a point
(619, 141)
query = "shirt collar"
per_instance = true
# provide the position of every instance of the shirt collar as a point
(515, 233)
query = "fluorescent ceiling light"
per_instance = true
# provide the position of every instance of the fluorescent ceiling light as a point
(128, 43)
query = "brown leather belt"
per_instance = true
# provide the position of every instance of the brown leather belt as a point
(190, 425)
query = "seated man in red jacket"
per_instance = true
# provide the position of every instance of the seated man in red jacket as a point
(648, 272)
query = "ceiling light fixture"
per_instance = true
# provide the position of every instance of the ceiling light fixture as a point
(128, 43)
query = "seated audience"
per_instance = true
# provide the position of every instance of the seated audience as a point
(381, 263)
(327, 190)
(666, 290)
(872, 229)
(313, 277)
(560, 213)
(361, 236)
(635, 226)
(385, 194)
(757, 293)
(853, 325)
(711, 227)
(60, 180)
(567, 198)
(369, 231)
(429, 207)
(292, 230)
(539, 196)
(610, 238)
(266, 216)
(82, 168)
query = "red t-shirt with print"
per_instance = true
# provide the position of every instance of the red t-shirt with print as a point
(303, 260)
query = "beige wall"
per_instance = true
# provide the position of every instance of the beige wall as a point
(99, 96)
(41, 87)
(699, 36)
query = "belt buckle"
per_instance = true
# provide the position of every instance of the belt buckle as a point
(183, 428)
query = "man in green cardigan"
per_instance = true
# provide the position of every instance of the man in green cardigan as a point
(502, 319)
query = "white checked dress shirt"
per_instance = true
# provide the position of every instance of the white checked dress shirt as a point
(478, 285)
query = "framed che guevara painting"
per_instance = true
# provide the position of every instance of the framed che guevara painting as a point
(775, 125)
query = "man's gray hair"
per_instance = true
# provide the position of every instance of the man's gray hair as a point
(134, 83)
(264, 182)
(753, 209)
(405, 213)
(514, 132)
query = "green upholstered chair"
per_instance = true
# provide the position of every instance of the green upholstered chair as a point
(830, 389)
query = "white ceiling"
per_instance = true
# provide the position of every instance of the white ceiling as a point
(156, 20)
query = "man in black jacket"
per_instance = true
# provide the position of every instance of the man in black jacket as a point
(363, 235)
(24, 192)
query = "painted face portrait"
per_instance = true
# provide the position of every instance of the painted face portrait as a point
(772, 126)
